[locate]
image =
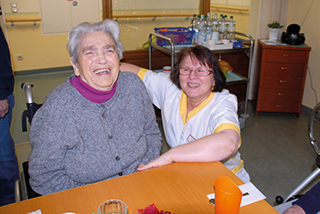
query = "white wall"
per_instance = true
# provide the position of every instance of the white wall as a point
(297, 12)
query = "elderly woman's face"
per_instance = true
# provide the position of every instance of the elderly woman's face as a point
(196, 88)
(98, 61)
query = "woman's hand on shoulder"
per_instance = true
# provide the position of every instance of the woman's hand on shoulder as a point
(129, 67)
(160, 161)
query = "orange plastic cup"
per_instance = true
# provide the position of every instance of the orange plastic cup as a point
(227, 196)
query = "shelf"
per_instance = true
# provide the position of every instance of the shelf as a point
(235, 79)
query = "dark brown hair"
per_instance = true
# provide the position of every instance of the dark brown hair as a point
(206, 58)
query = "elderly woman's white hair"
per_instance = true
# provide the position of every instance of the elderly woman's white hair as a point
(79, 31)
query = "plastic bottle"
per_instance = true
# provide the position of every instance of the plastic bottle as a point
(201, 31)
(192, 26)
(205, 21)
(193, 21)
(215, 27)
(226, 26)
(223, 30)
(232, 29)
(196, 30)
(208, 28)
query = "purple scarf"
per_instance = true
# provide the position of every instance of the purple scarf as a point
(90, 93)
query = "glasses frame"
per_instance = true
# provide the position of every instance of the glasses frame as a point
(195, 71)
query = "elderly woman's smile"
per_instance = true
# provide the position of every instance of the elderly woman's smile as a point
(102, 71)
(98, 61)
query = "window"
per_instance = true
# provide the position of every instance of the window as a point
(137, 18)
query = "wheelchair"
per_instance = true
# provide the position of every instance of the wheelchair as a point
(314, 137)
(23, 190)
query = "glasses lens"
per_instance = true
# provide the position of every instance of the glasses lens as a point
(184, 71)
(202, 72)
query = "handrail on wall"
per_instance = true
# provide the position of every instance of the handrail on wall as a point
(240, 9)
(34, 20)
(154, 16)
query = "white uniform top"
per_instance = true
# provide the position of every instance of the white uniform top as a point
(216, 113)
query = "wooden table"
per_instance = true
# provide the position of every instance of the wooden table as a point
(178, 188)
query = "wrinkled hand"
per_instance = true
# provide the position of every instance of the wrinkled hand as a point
(294, 210)
(4, 108)
(140, 165)
(160, 161)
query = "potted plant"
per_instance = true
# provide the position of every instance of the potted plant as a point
(274, 31)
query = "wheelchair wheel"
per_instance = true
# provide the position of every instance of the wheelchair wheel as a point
(314, 128)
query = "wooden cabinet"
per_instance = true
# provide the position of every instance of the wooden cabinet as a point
(282, 77)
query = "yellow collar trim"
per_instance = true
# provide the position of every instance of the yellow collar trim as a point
(142, 72)
(183, 107)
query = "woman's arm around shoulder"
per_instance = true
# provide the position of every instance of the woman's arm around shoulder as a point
(129, 67)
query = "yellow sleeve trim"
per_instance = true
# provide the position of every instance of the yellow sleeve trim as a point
(224, 126)
(237, 168)
(142, 72)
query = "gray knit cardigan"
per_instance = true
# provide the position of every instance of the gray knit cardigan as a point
(77, 142)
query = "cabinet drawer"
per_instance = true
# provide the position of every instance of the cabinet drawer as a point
(288, 56)
(279, 106)
(270, 94)
(281, 82)
(282, 69)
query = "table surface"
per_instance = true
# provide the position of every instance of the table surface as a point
(178, 188)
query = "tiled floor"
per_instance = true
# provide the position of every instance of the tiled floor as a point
(22, 151)
(275, 146)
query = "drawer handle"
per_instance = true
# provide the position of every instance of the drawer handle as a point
(284, 68)
(282, 81)
(280, 94)
(279, 106)
(285, 55)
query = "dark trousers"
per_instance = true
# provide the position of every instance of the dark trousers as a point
(9, 170)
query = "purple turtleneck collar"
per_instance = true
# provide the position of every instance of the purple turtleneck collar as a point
(90, 93)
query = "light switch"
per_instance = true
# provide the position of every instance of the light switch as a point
(14, 8)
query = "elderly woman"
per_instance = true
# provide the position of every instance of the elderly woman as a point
(98, 124)
(199, 117)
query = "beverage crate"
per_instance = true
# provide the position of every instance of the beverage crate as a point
(178, 35)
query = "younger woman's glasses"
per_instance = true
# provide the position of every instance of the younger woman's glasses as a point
(200, 72)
